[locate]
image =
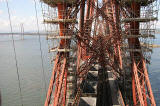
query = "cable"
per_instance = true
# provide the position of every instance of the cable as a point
(40, 45)
(15, 56)
(49, 57)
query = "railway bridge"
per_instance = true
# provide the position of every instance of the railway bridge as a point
(99, 60)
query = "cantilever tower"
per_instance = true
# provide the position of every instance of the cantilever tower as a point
(100, 50)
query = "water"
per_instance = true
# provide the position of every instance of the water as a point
(31, 73)
(154, 71)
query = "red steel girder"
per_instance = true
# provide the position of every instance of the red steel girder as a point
(52, 81)
(61, 80)
(112, 12)
(137, 83)
(149, 88)
(140, 79)
(59, 74)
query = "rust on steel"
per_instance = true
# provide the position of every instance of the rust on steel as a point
(99, 40)
(52, 80)
(60, 71)
(138, 79)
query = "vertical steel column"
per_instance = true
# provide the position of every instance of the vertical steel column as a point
(61, 15)
(138, 64)
(88, 9)
(116, 15)
(81, 24)
(135, 44)
(60, 69)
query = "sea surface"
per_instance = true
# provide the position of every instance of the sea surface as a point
(33, 81)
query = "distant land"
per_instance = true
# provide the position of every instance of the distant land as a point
(43, 32)
(158, 31)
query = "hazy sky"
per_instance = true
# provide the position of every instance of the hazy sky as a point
(23, 11)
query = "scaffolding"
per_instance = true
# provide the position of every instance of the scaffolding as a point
(60, 20)
(138, 30)
(111, 41)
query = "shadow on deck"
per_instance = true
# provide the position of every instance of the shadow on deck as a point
(101, 90)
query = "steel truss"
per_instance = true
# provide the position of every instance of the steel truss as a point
(98, 38)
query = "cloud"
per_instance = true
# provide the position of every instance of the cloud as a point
(158, 24)
(5, 0)
(2, 0)
(1, 12)
(37, 1)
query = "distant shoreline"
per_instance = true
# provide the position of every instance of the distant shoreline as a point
(25, 33)
(157, 31)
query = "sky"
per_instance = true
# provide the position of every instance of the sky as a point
(23, 11)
